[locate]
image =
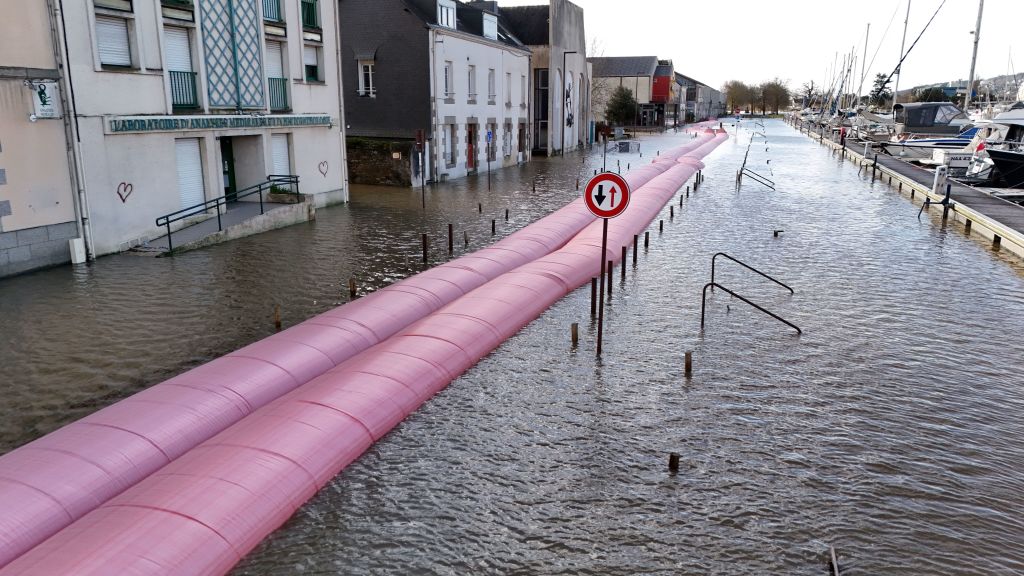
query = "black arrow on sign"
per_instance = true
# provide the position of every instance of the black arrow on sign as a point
(600, 194)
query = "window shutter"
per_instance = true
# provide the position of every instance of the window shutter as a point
(309, 56)
(279, 154)
(190, 172)
(179, 57)
(112, 41)
(275, 67)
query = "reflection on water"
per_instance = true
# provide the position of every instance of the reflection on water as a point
(891, 429)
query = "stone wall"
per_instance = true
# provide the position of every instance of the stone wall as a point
(32, 248)
(379, 161)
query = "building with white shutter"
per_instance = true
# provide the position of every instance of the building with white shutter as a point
(176, 102)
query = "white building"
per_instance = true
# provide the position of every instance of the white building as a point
(177, 102)
(481, 101)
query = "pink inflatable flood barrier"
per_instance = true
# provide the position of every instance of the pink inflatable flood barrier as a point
(203, 511)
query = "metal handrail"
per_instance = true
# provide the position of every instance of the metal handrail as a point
(272, 180)
(748, 267)
(762, 180)
(772, 314)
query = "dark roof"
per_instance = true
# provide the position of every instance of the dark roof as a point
(624, 66)
(469, 18)
(528, 23)
(683, 79)
(663, 70)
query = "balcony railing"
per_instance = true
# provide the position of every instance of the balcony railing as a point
(278, 94)
(272, 10)
(310, 16)
(183, 89)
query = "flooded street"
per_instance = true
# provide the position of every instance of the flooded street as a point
(890, 429)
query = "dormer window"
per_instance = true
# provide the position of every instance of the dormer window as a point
(446, 13)
(490, 26)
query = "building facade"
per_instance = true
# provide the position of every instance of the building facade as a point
(177, 102)
(438, 89)
(702, 101)
(636, 73)
(561, 77)
(39, 213)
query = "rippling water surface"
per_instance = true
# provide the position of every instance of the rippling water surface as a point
(891, 429)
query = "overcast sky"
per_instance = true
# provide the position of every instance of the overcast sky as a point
(797, 40)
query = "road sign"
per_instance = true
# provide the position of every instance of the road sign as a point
(490, 135)
(607, 195)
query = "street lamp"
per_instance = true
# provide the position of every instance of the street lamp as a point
(561, 125)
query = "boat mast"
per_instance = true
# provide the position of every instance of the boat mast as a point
(974, 57)
(863, 64)
(896, 91)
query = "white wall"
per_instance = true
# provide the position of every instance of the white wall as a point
(464, 50)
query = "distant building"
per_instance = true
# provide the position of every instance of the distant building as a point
(640, 74)
(560, 75)
(182, 101)
(702, 101)
(428, 81)
(39, 212)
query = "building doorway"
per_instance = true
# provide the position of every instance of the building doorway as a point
(227, 160)
(471, 146)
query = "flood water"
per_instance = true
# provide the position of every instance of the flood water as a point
(891, 429)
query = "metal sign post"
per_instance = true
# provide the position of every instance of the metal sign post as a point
(490, 140)
(420, 144)
(607, 196)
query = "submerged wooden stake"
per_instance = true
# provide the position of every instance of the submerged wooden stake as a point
(622, 263)
(688, 364)
(451, 240)
(424, 248)
(352, 288)
(636, 238)
(661, 226)
(575, 328)
(673, 462)
(465, 237)
(493, 227)
(609, 277)
(593, 296)
(647, 239)
(277, 317)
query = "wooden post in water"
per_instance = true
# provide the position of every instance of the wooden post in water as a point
(967, 226)
(593, 296)
(687, 190)
(277, 317)
(479, 207)
(671, 212)
(636, 239)
(688, 364)
(609, 277)
(465, 237)
(424, 248)
(622, 263)
(647, 240)
(493, 227)
(575, 329)
(506, 214)
(352, 288)
(661, 226)
(451, 240)
(673, 462)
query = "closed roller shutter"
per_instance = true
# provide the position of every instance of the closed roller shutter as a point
(190, 172)
(179, 57)
(279, 152)
(274, 67)
(112, 41)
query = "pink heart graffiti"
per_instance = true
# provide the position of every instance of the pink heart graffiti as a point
(124, 190)
(323, 168)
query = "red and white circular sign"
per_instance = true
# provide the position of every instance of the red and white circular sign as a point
(607, 195)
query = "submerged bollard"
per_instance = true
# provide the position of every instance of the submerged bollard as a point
(593, 296)
(688, 364)
(352, 288)
(636, 238)
(673, 462)
(424, 248)
(967, 225)
(506, 214)
(680, 200)
(575, 330)
(901, 187)
(277, 317)
(647, 239)
(451, 240)
(661, 226)
(687, 190)
(465, 238)
(479, 208)
(577, 183)
(493, 227)
(997, 240)
(622, 263)
(609, 277)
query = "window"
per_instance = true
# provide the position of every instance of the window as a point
(446, 13)
(123, 5)
(179, 68)
(522, 91)
(112, 41)
(272, 10)
(310, 14)
(506, 141)
(276, 79)
(508, 89)
(311, 62)
(449, 89)
(280, 164)
(490, 26)
(448, 136)
(490, 86)
(366, 87)
(471, 83)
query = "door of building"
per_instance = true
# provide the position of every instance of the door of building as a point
(470, 146)
(227, 159)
